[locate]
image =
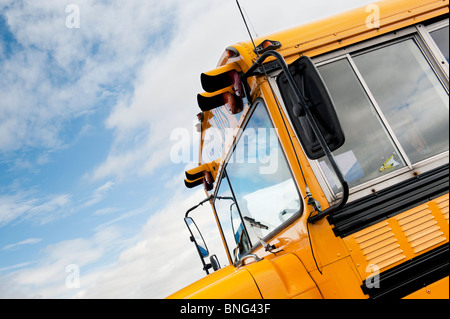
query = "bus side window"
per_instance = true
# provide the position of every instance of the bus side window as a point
(393, 109)
(367, 142)
(440, 37)
(410, 96)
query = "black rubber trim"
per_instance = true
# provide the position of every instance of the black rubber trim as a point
(193, 177)
(389, 202)
(410, 276)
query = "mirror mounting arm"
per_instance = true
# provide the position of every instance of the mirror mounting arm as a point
(199, 204)
(301, 103)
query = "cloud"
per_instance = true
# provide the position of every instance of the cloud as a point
(22, 206)
(47, 276)
(156, 262)
(99, 194)
(161, 261)
(138, 59)
(29, 241)
(54, 74)
(164, 92)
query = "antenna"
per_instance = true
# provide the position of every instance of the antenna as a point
(246, 25)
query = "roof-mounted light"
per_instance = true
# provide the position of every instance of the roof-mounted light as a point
(267, 45)
(232, 52)
(227, 97)
(204, 174)
(223, 86)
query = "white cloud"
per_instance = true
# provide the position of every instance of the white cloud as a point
(47, 276)
(165, 91)
(21, 206)
(159, 261)
(56, 74)
(29, 241)
(99, 194)
(162, 261)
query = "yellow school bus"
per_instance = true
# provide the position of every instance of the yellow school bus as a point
(324, 155)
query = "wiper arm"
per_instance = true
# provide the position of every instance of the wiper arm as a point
(257, 224)
(254, 223)
(225, 197)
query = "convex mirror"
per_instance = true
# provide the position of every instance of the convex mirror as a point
(197, 238)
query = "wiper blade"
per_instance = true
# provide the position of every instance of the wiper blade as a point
(225, 197)
(254, 223)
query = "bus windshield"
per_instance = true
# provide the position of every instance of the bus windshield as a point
(258, 177)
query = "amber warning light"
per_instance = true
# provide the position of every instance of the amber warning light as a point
(223, 86)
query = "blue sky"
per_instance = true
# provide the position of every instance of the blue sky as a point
(86, 115)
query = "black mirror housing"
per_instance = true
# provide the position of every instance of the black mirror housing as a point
(320, 104)
(214, 262)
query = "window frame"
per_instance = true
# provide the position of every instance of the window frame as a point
(424, 33)
(224, 176)
(419, 34)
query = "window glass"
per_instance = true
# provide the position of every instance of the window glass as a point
(440, 36)
(260, 178)
(410, 96)
(368, 151)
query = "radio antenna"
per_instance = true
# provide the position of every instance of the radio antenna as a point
(246, 25)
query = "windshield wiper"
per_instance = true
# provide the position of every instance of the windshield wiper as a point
(254, 223)
(257, 224)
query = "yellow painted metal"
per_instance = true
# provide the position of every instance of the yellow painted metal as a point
(400, 238)
(223, 69)
(211, 167)
(349, 27)
(282, 277)
(227, 283)
(339, 280)
(437, 290)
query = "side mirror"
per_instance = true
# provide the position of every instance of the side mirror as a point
(214, 262)
(197, 238)
(318, 102)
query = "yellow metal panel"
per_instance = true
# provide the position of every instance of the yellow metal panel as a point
(282, 277)
(351, 27)
(339, 280)
(437, 290)
(223, 69)
(442, 206)
(311, 294)
(227, 283)
(400, 238)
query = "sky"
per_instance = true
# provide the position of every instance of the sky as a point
(91, 202)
